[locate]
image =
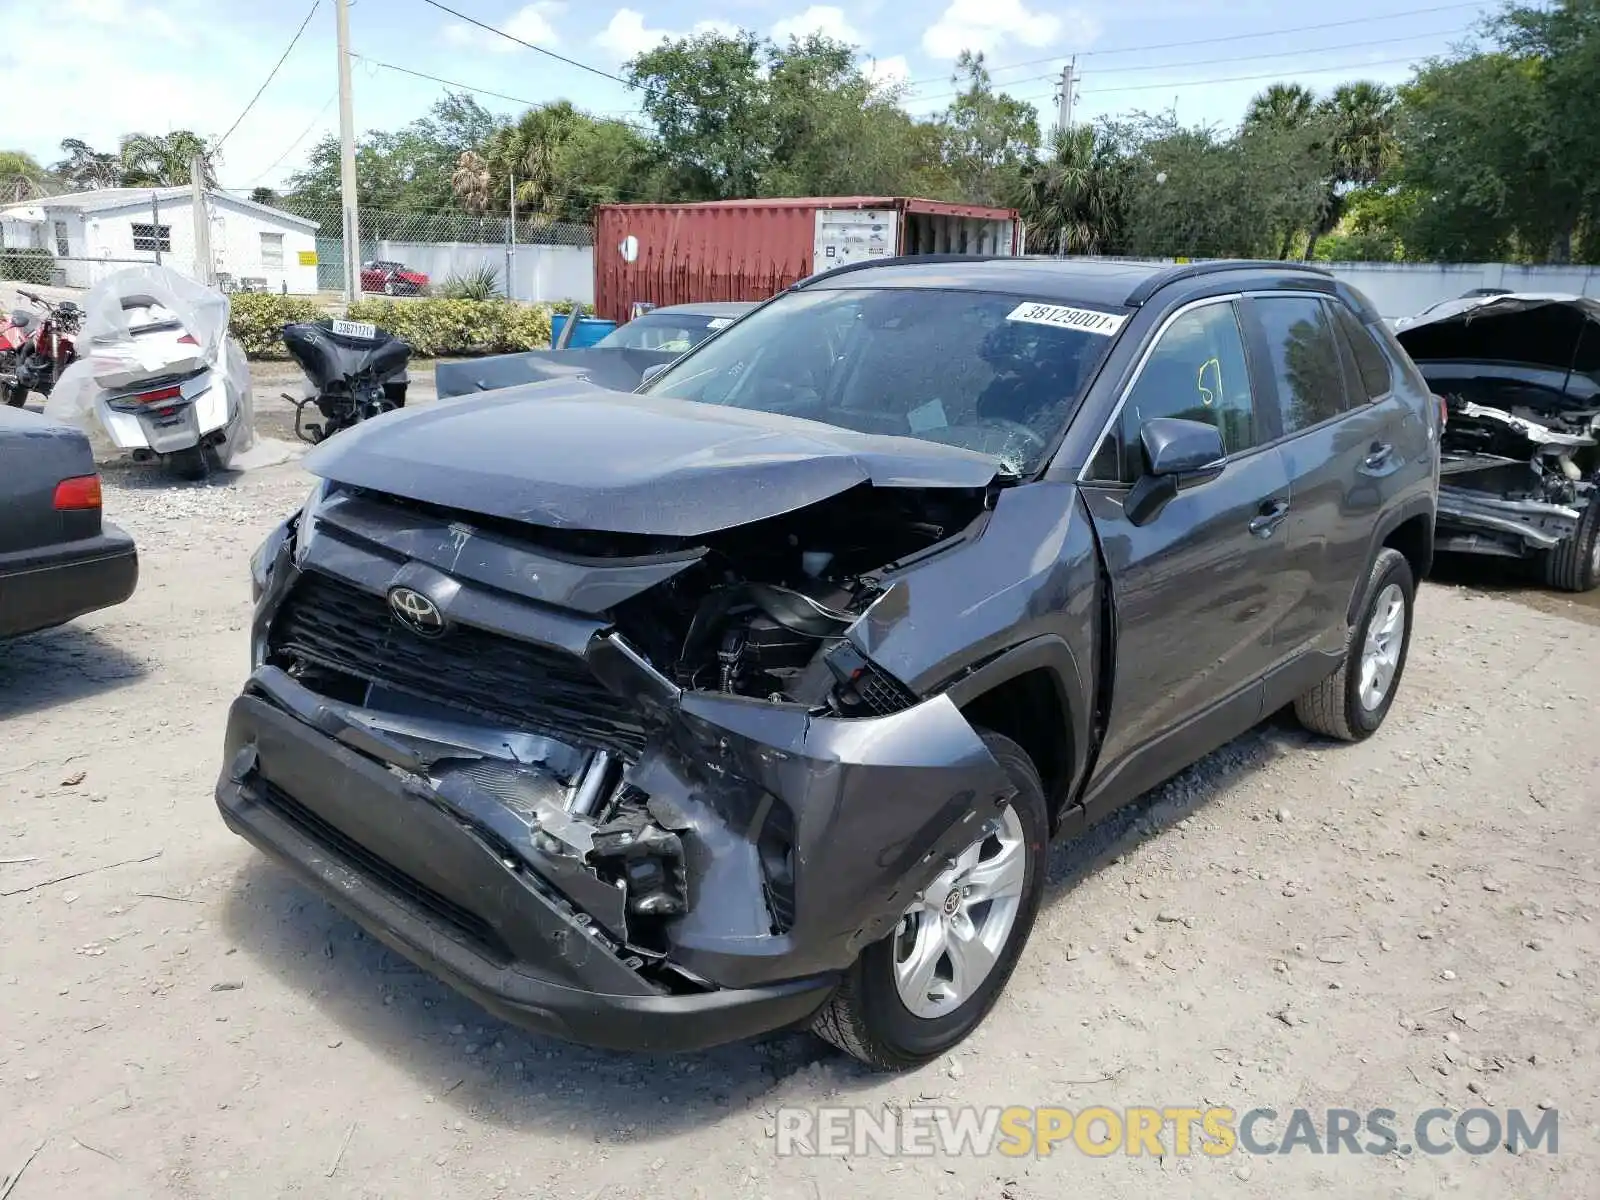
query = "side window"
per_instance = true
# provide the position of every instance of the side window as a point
(1372, 365)
(1196, 371)
(1304, 353)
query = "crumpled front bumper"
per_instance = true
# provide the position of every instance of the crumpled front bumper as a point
(1473, 522)
(803, 840)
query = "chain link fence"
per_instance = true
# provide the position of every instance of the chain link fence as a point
(532, 259)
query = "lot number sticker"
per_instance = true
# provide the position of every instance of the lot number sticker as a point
(1085, 319)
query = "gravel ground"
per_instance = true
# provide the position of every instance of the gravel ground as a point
(1407, 924)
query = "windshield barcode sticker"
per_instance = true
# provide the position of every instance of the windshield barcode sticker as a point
(1085, 319)
(356, 329)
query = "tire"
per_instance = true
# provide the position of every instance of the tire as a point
(389, 288)
(1335, 707)
(867, 1018)
(16, 395)
(1574, 565)
(190, 465)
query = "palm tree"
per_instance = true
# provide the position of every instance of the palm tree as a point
(84, 168)
(1361, 118)
(1282, 106)
(22, 178)
(1073, 196)
(162, 160)
(470, 182)
(529, 152)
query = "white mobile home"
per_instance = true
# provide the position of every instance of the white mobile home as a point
(94, 233)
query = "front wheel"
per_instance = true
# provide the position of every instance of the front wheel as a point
(1574, 565)
(920, 991)
(1352, 702)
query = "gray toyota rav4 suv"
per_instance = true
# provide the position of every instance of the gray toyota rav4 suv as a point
(752, 699)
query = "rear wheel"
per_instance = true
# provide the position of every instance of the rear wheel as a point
(1352, 702)
(920, 991)
(191, 465)
(1574, 565)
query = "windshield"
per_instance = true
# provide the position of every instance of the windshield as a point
(663, 331)
(994, 373)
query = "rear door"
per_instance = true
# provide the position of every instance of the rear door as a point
(1198, 590)
(1343, 449)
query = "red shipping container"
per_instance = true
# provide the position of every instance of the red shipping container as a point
(662, 254)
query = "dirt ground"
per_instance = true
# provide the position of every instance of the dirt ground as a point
(1403, 924)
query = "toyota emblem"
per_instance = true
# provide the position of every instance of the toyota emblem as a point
(416, 612)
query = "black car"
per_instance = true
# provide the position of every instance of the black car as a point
(752, 699)
(59, 559)
(620, 360)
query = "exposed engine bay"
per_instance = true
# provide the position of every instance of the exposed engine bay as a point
(1520, 452)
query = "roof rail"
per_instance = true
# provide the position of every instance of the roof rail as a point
(897, 260)
(1149, 286)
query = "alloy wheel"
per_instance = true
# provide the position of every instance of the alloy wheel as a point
(1380, 653)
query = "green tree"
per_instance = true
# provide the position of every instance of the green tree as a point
(84, 168)
(22, 178)
(989, 136)
(163, 159)
(708, 99)
(1282, 106)
(1072, 199)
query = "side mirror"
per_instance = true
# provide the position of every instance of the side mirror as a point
(652, 371)
(1174, 446)
(1176, 451)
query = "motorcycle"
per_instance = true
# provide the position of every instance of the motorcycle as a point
(356, 372)
(34, 352)
(159, 373)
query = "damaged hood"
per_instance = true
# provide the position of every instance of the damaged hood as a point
(568, 454)
(1554, 331)
(617, 367)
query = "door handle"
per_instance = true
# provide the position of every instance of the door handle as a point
(1377, 455)
(1272, 514)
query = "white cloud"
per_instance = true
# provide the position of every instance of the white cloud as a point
(627, 37)
(533, 23)
(987, 25)
(887, 72)
(830, 22)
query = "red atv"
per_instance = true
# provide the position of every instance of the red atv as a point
(34, 351)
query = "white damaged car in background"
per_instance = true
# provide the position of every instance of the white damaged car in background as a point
(1520, 476)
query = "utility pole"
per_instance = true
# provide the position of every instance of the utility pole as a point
(511, 235)
(347, 159)
(202, 220)
(1064, 98)
(155, 223)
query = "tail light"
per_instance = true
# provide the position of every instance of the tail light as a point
(157, 396)
(78, 493)
(1444, 410)
(188, 339)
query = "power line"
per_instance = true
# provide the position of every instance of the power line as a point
(466, 87)
(272, 74)
(1214, 41)
(294, 144)
(1232, 58)
(1145, 87)
(571, 62)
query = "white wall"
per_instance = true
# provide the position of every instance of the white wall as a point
(236, 247)
(1404, 289)
(538, 273)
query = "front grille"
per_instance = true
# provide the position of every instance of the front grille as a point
(882, 692)
(542, 690)
(470, 927)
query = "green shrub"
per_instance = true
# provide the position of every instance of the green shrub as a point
(257, 320)
(26, 266)
(482, 283)
(565, 307)
(437, 327)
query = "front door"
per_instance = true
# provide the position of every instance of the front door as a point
(1198, 588)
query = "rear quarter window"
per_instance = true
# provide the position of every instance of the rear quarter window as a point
(1373, 367)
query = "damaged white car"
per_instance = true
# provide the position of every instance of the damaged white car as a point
(1520, 472)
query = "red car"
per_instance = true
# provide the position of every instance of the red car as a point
(392, 279)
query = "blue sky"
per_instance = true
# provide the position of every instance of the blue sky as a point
(96, 68)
